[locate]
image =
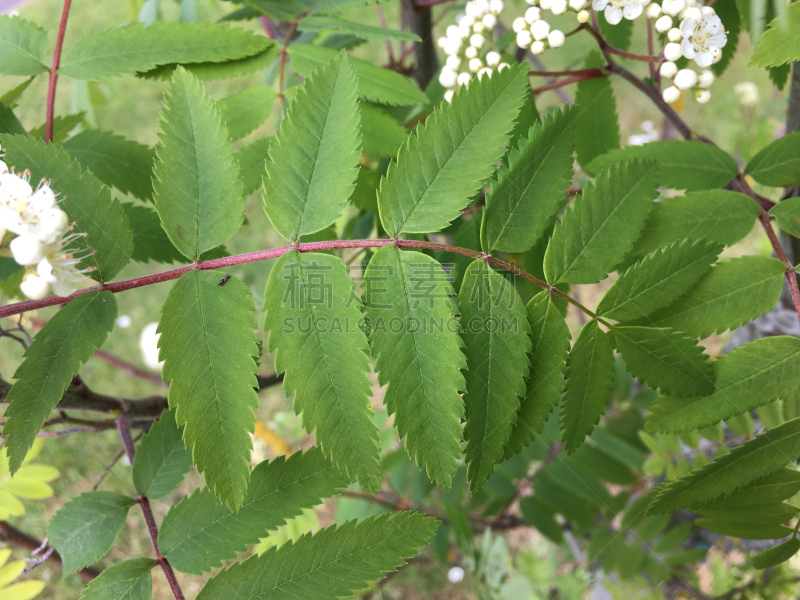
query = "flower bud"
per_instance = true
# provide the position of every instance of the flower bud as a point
(519, 24)
(524, 38)
(532, 15)
(673, 7)
(671, 94)
(672, 51)
(493, 59)
(453, 31)
(477, 40)
(584, 16)
(556, 38)
(503, 66)
(34, 287)
(692, 12)
(664, 24)
(653, 12)
(546, 4)
(496, 6)
(706, 79)
(668, 70)
(558, 7)
(463, 79)
(685, 79)
(484, 71)
(448, 76)
(489, 21)
(453, 62)
(702, 96)
(471, 52)
(538, 47)
(476, 64)
(540, 30)
(478, 27)
(448, 95)
(452, 46)
(674, 35)
(577, 4)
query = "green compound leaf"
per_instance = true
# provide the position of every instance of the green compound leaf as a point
(86, 527)
(314, 158)
(150, 241)
(658, 280)
(126, 50)
(22, 47)
(602, 224)
(441, 167)
(780, 43)
(717, 215)
(374, 83)
(208, 346)
(772, 489)
(777, 555)
(199, 533)
(666, 359)
(422, 363)
(244, 111)
(114, 160)
(365, 32)
(333, 563)
(66, 342)
(767, 453)
(85, 200)
(9, 123)
(778, 164)
(787, 214)
(732, 293)
(748, 377)
(128, 580)
(728, 12)
(198, 210)
(748, 531)
(382, 135)
(312, 316)
(590, 375)
(545, 382)
(161, 459)
(684, 165)
(597, 130)
(496, 335)
(526, 197)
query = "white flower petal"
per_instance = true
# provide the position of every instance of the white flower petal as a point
(613, 15)
(687, 48)
(632, 11)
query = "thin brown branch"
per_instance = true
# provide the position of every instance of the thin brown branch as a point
(569, 80)
(20, 539)
(129, 368)
(525, 483)
(51, 87)
(598, 72)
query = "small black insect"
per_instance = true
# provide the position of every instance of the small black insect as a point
(224, 280)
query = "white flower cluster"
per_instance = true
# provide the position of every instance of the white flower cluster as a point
(466, 45)
(699, 36)
(650, 134)
(534, 33)
(43, 235)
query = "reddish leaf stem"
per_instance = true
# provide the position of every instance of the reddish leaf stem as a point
(147, 512)
(284, 54)
(51, 87)
(568, 81)
(598, 72)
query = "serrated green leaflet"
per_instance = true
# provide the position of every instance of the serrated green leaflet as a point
(787, 214)
(666, 359)
(767, 453)
(780, 43)
(312, 316)
(252, 161)
(86, 527)
(525, 198)
(497, 340)
(602, 224)
(22, 47)
(313, 161)
(199, 533)
(365, 32)
(658, 280)
(198, 211)
(9, 123)
(128, 580)
(207, 71)
(597, 130)
(767, 514)
(345, 558)
(684, 165)
(778, 164)
(150, 241)
(748, 531)
(422, 362)
(440, 168)
(161, 459)
(126, 50)
(540, 515)
(590, 373)
(774, 488)
(374, 83)
(244, 111)
(545, 382)
(66, 342)
(718, 215)
(114, 160)
(748, 377)
(85, 200)
(728, 13)
(63, 125)
(208, 346)
(732, 293)
(777, 555)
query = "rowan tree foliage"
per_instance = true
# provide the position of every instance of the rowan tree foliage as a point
(437, 242)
